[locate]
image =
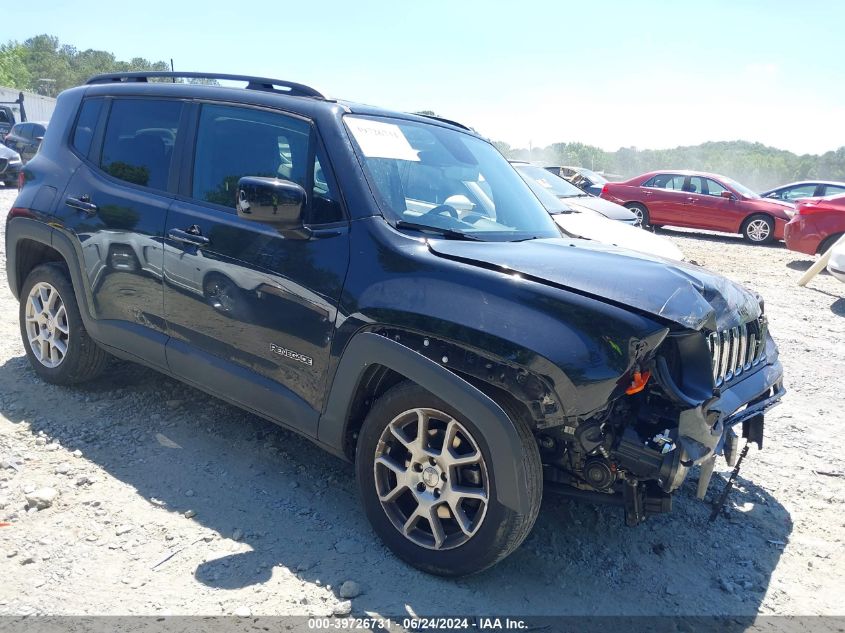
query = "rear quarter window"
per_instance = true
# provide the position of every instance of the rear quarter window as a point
(83, 133)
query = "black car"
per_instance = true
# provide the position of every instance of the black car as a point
(25, 138)
(388, 286)
(10, 166)
(7, 120)
(805, 189)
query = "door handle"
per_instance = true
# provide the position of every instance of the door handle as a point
(185, 237)
(690, 199)
(82, 203)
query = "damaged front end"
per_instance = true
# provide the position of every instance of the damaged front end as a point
(690, 402)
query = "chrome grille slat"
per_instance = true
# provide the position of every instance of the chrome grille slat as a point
(752, 350)
(737, 349)
(726, 354)
(743, 345)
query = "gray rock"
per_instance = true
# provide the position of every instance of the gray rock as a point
(342, 608)
(189, 514)
(42, 497)
(77, 453)
(350, 589)
(237, 534)
(189, 493)
(243, 612)
(349, 546)
(63, 468)
(123, 529)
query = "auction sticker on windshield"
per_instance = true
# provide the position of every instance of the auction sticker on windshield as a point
(381, 140)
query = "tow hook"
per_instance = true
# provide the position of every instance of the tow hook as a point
(720, 502)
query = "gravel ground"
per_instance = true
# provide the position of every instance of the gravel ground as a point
(172, 502)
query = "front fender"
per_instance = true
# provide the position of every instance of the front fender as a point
(367, 349)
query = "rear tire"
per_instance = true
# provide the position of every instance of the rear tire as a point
(54, 337)
(827, 242)
(641, 212)
(401, 485)
(758, 229)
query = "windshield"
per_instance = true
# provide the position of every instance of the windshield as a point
(593, 177)
(742, 189)
(552, 203)
(429, 176)
(551, 183)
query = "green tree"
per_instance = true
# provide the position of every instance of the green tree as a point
(13, 70)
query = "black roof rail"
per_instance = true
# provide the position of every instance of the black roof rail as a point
(449, 121)
(253, 83)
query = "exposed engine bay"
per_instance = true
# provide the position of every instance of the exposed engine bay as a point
(639, 450)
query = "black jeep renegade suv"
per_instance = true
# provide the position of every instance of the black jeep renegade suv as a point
(388, 286)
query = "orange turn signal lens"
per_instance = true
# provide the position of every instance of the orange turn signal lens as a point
(638, 383)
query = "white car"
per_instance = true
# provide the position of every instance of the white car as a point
(836, 263)
(590, 225)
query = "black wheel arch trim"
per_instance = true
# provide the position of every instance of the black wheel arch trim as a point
(367, 349)
(127, 340)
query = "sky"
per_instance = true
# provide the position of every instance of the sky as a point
(643, 73)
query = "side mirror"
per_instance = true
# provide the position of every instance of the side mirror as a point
(278, 203)
(727, 195)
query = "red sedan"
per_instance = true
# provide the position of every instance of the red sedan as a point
(701, 201)
(817, 224)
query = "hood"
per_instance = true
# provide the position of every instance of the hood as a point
(778, 202)
(607, 208)
(592, 226)
(681, 293)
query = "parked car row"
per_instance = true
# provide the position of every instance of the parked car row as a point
(808, 215)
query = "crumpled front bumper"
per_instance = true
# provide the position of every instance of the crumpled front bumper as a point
(742, 405)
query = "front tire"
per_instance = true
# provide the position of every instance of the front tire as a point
(641, 212)
(54, 337)
(758, 229)
(428, 484)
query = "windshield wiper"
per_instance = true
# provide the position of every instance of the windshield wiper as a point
(449, 234)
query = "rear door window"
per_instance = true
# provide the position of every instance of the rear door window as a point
(673, 182)
(139, 140)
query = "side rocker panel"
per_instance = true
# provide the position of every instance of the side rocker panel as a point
(368, 349)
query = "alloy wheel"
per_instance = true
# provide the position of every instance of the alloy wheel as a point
(431, 479)
(758, 230)
(47, 327)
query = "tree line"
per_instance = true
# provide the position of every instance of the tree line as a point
(45, 66)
